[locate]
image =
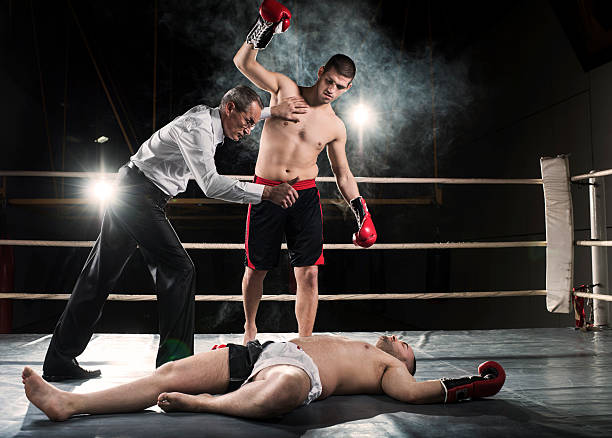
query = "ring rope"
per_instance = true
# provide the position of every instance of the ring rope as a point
(594, 296)
(594, 243)
(289, 297)
(359, 179)
(592, 175)
(211, 201)
(328, 246)
(338, 297)
(34, 173)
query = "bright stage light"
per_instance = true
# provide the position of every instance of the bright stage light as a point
(101, 190)
(361, 114)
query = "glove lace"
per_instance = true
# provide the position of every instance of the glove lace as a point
(258, 33)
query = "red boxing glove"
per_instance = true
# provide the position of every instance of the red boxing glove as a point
(273, 18)
(491, 379)
(366, 233)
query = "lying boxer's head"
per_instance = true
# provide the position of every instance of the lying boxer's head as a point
(398, 349)
(240, 110)
(335, 78)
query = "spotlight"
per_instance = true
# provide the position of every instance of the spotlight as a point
(101, 139)
(101, 190)
(361, 114)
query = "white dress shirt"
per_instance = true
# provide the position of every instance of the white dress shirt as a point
(185, 148)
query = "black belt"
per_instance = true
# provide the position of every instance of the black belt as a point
(163, 195)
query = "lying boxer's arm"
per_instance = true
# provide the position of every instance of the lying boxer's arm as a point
(345, 180)
(245, 60)
(399, 384)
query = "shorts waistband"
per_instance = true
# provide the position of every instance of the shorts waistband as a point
(300, 185)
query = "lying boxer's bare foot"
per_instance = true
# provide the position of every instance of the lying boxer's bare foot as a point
(52, 401)
(179, 402)
(250, 333)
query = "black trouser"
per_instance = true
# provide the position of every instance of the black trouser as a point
(135, 218)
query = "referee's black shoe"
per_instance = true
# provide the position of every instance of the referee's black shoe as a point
(69, 371)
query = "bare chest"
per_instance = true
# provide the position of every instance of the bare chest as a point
(347, 368)
(314, 130)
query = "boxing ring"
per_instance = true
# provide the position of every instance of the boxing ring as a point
(559, 379)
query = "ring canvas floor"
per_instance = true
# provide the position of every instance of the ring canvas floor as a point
(559, 383)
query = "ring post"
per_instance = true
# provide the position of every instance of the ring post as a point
(599, 254)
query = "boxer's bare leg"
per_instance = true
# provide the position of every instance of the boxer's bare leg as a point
(205, 372)
(252, 289)
(307, 298)
(276, 390)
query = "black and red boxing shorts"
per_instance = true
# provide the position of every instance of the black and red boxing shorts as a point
(301, 225)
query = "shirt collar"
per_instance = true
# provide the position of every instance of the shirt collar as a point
(218, 136)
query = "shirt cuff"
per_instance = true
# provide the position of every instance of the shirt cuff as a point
(253, 193)
(266, 113)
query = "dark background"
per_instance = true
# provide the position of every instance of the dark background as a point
(506, 83)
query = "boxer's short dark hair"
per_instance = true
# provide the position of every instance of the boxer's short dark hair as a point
(342, 64)
(242, 96)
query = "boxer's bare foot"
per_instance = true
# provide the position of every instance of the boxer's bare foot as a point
(250, 333)
(177, 401)
(52, 401)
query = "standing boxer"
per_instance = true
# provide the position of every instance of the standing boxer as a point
(290, 150)
(183, 149)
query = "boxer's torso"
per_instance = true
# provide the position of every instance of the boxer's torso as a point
(346, 366)
(289, 149)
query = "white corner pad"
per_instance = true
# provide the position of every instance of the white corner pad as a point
(559, 233)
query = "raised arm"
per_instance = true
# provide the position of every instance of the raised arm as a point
(245, 60)
(273, 18)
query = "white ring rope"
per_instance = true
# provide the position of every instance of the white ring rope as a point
(58, 174)
(388, 246)
(359, 179)
(59, 243)
(593, 243)
(594, 296)
(212, 201)
(35, 173)
(337, 297)
(592, 175)
(328, 246)
(288, 297)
